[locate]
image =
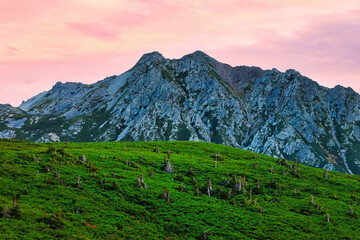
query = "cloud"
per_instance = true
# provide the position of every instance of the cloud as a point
(93, 30)
(10, 50)
(23, 10)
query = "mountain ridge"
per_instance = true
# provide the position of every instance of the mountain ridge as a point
(282, 114)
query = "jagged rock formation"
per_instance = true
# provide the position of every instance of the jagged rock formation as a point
(50, 137)
(11, 118)
(198, 98)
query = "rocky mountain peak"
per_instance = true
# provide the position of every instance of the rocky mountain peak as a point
(2, 106)
(151, 58)
(67, 85)
(8, 109)
(197, 98)
(199, 57)
(202, 55)
(58, 84)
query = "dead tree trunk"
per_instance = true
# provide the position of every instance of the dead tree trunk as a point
(83, 159)
(168, 167)
(169, 155)
(6, 212)
(209, 189)
(156, 149)
(78, 182)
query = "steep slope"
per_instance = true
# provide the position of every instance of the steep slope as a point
(202, 191)
(198, 98)
(11, 118)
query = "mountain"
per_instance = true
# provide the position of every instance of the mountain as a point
(197, 98)
(202, 190)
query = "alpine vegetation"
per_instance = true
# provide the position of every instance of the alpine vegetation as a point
(115, 194)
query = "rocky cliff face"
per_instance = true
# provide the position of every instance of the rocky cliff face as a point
(198, 98)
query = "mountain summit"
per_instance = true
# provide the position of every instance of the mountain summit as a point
(197, 98)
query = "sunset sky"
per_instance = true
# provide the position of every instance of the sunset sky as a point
(45, 41)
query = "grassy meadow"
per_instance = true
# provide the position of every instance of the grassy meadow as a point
(168, 190)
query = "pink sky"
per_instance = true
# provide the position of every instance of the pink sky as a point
(45, 41)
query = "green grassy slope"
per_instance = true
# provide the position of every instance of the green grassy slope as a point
(111, 201)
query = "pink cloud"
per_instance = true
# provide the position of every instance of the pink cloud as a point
(20, 10)
(93, 30)
(10, 50)
(112, 25)
(125, 19)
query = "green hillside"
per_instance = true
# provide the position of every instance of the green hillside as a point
(123, 190)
